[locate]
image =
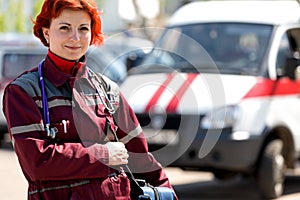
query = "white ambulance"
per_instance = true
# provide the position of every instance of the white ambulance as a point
(220, 92)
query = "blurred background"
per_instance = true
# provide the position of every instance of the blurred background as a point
(118, 14)
(124, 23)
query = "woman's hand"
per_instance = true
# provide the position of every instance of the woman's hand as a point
(117, 153)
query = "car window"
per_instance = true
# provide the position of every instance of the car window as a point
(14, 64)
(283, 52)
(289, 47)
(234, 47)
(294, 38)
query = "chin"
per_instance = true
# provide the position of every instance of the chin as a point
(74, 57)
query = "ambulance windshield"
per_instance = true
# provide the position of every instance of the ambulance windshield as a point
(231, 48)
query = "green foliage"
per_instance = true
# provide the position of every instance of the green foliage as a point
(37, 6)
(2, 23)
(21, 18)
(10, 16)
(13, 17)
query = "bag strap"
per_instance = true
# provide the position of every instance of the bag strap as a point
(136, 190)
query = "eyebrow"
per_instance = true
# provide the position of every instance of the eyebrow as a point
(65, 23)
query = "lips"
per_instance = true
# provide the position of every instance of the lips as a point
(73, 47)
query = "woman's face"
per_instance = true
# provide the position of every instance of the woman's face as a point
(69, 35)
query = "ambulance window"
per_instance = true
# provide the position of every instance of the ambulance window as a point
(283, 52)
(289, 46)
(294, 38)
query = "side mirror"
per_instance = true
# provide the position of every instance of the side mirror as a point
(292, 69)
(135, 58)
(131, 61)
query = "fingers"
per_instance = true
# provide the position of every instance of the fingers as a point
(122, 158)
(118, 154)
(119, 158)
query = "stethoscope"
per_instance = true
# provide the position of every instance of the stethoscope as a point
(98, 84)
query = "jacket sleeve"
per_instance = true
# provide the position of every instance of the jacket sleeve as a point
(141, 162)
(41, 159)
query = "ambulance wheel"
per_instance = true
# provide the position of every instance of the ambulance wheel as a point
(271, 170)
(1, 139)
(223, 175)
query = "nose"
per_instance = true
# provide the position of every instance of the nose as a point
(75, 35)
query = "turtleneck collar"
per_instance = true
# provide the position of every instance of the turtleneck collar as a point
(67, 66)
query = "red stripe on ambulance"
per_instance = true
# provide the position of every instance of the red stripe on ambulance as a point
(159, 91)
(267, 87)
(175, 100)
(173, 104)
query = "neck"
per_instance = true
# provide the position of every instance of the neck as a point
(63, 64)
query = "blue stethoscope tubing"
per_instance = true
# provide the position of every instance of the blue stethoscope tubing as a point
(50, 131)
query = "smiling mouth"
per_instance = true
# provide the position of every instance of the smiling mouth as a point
(73, 48)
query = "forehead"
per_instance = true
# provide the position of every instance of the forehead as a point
(73, 17)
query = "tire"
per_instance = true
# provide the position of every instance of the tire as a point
(222, 175)
(271, 171)
(1, 139)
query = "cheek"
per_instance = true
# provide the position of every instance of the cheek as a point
(57, 42)
(57, 38)
(87, 39)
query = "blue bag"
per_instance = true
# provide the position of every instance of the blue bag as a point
(155, 193)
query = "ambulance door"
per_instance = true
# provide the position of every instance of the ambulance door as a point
(287, 92)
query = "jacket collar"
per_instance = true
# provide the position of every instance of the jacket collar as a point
(53, 65)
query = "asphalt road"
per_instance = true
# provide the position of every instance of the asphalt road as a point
(189, 185)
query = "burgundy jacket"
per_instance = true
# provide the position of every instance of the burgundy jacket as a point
(74, 165)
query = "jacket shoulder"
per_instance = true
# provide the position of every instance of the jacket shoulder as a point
(111, 85)
(29, 81)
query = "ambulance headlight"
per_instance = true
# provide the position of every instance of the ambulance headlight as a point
(224, 117)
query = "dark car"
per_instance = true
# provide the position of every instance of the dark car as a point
(13, 61)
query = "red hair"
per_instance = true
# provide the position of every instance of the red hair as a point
(53, 8)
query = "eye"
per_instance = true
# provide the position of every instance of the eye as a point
(64, 28)
(84, 28)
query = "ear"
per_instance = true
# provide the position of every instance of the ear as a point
(46, 33)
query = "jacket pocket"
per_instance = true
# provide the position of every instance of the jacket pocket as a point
(120, 186)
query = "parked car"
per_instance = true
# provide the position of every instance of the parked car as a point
(219, 91)
(102, 60)
(14, 59)
(112, 57)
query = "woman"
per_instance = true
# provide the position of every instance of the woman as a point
(77, 156)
